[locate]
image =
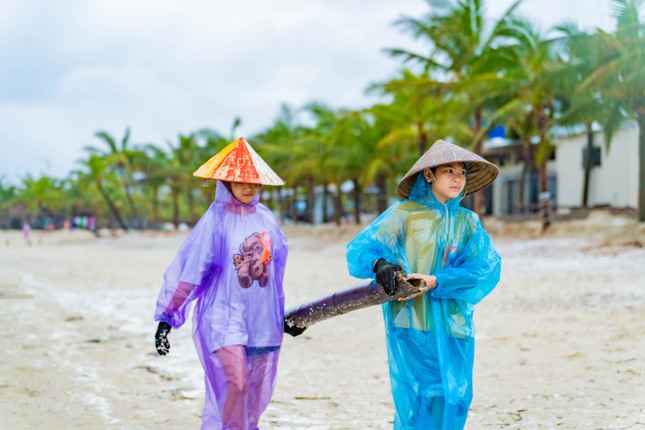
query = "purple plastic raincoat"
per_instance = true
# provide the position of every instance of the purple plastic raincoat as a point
(232, 265)
(430, 339)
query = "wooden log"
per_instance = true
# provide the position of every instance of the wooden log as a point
(349, 300)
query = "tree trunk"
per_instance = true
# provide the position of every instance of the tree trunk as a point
(294, 206)
(381, 199)
(478, 147)
(544, 196)
(155, 206)
(422, 138)
(128, 194)
(640, 115)
(191, 204)
(113, 210)
(311, 199)
(357, 201)
(325, 197)
(209, 195)
(338, 206)
(284, 204)
(269, 201)
(175, 206)
(588, 162)
(528, 169)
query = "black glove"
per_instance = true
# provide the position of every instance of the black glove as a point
(161, 338)
(292, 329)
(386, 275)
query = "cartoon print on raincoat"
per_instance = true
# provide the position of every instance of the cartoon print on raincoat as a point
(203, 273)
(430, 339)
(252, 263)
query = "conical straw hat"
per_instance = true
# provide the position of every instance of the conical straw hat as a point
(481, 173)
(238, 162)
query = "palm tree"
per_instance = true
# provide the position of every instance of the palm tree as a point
(382, 163)
(179, 167)
(97, 171)
(159, 172)
(119, 156)
(183, 157)
(533, 96)
(41, 196)
(418, 106)
(394, 147)
(583, 106)
(280, 148)
(354, 143)
(213, 143)
(8, 194)
(82, 198)
(621, 77)
(404, 126)
(462, 45)
(328, 162)
(294, 152)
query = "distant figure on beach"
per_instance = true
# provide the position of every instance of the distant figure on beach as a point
(232, 264)
(26, 229)
(428, 235)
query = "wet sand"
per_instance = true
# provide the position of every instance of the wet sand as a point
(560, 341)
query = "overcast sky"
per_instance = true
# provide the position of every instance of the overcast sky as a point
(70, 68)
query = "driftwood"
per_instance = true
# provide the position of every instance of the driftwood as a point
(349, 300)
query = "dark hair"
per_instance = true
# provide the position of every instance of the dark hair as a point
(463, 163)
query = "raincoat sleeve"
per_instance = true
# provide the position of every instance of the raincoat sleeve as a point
(471, 274)
(380, 239)
(189, 273)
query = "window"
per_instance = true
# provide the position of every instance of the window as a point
(595, 157)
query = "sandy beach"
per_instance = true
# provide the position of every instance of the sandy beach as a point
(560, 341)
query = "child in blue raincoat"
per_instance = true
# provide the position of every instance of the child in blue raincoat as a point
(427, 235)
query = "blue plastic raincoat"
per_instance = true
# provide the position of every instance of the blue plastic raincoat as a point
(430, 339)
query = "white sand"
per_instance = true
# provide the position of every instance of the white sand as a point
(560, 342)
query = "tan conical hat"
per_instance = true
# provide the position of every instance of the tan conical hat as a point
(481, 173)
(238, 162)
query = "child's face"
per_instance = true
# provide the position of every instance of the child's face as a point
(449, 181)
(244, 192)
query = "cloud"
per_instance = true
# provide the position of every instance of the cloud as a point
(73, 67)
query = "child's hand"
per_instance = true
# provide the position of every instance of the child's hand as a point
(161, 338)
(429, 282)
(291, 328)
(386, 275)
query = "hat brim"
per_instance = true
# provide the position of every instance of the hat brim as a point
(481, 173)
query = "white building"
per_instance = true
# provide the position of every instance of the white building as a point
(503, 198)
(614, 182)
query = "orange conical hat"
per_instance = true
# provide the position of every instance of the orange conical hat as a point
(238, 162)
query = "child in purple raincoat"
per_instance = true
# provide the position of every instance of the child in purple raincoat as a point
(231, 266)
